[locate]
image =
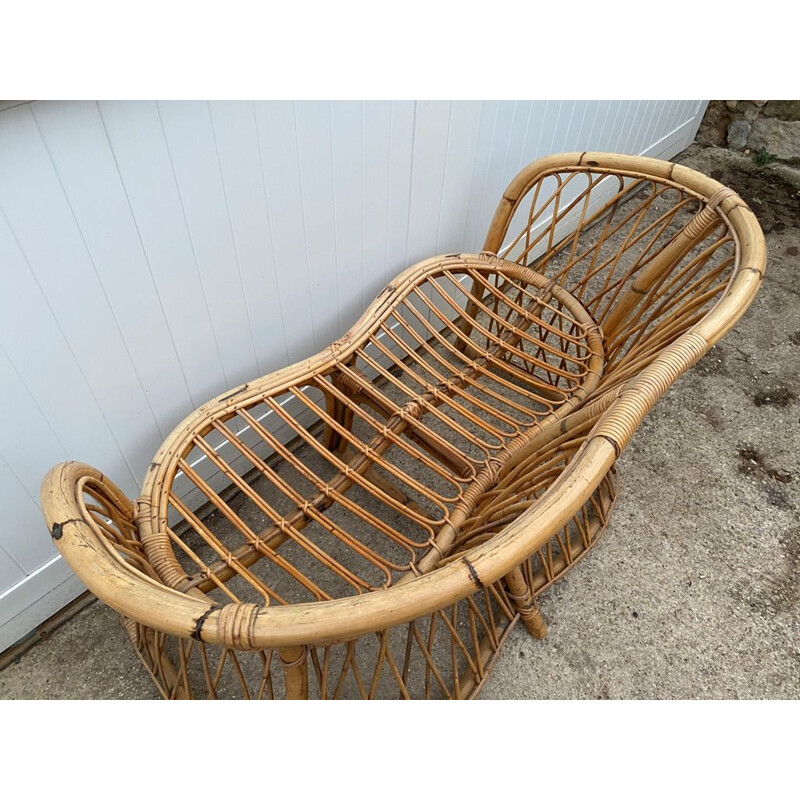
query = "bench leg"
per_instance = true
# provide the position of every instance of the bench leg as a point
(334, 441)
(294, 661)
(340, 413)
(524, 603)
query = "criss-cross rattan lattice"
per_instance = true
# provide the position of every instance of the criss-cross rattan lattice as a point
(372, 522)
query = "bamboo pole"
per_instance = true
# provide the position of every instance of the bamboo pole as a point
(526, 606)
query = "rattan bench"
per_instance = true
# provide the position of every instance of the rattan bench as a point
(373, 521)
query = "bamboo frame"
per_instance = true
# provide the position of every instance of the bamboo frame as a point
(467, 429)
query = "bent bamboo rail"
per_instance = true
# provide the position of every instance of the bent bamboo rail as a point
(458, 449)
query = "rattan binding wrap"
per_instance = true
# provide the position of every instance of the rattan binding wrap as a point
(373, 521)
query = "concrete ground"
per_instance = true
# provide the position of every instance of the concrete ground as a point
(694, 591)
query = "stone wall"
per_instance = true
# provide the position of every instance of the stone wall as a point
(770, 128)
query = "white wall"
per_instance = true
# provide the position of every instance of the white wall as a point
(154, 254)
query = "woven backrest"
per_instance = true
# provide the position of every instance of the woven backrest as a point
(646, 256)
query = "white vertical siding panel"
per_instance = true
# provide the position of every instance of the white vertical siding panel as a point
(548, 122)
(575, 135)
(625, 127)
(462, 140)
(677, 110)
(431, 135)
(236, 137)
(495, 180)
(594, 108)
(316, 175)
(698, 110)
(17, 508)
(346, 142)
(620, 125)
(678, 119)
(10, 572)
(517, 136)
(78, 145)
(649, 126)
(662, 110)
(580, 116)
(637, 119)
(279, 160)
(616, 113)
(649, 130)
(461, 156)
(532, 148)
(666, 123)
(27, 546)
(598, 133)
(473, 235)
(595, 129)
(33, 201)
(562, 133)
(607, 130)
(589, 123)
(30, 438)
(556, 120)
(540, 125)
(195, 161)
(401, 152)
(659, 117)
(675, 117)
(31, 337)
(375, 178)
(140, 150)
(663, 121)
